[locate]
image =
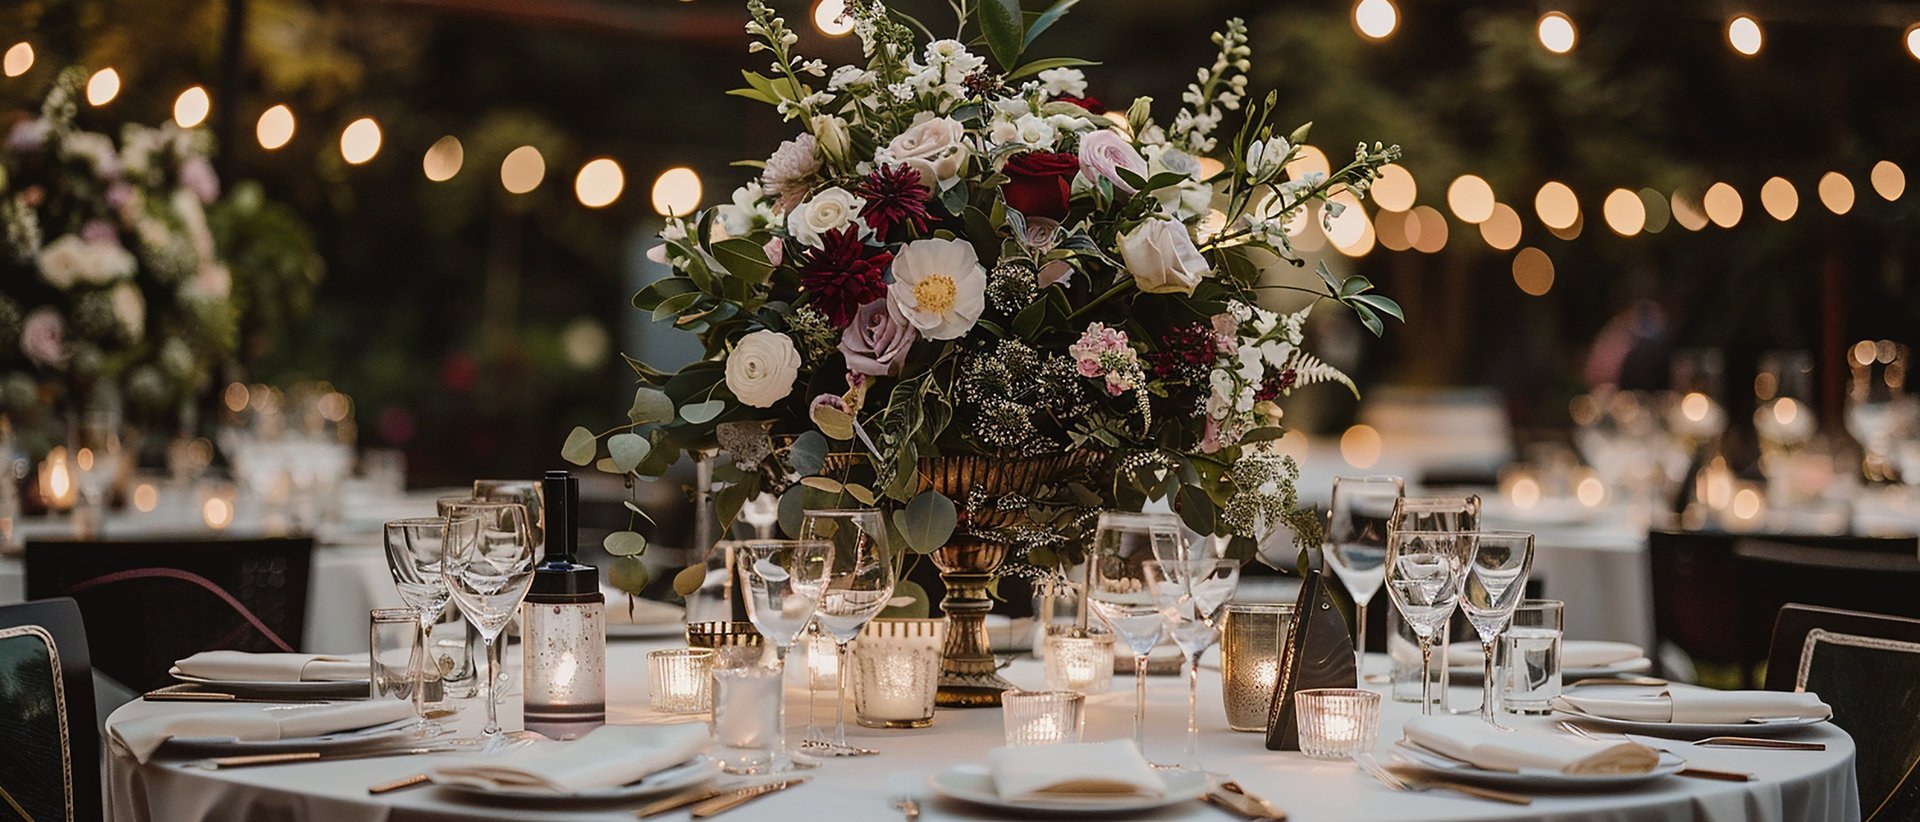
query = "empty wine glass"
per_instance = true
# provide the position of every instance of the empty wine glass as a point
(1118, 591)
(1497, 572)
(1192, 596)
(416, 549)
(785, 579)
(526, 492)
(1356, 544)
(488, 574)
(1879, 410)
(858, 590)
(1447, 515)
(1423, 576)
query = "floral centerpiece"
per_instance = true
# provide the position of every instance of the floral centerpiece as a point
(967, 291)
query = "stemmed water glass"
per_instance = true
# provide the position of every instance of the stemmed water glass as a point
(488, 574)
(1447, 515)
(1423, 576)
(785, 579)
(1497, 572)
(528, 493)
(859, 588)
(416, 549)
(1356, 544)
(1192, 596)
(1119, 592)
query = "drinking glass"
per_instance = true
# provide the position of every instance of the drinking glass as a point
(1447, 515)
(416, 550)
(1423, 576)
(393, 655)
(97, 460)
(1192, 596)
(1532, 652)
(525, 492)
(860, 585)
(1878, 408)
(488, 566)
(785, 579)
(1497, 574)
(1356, 544)
(1119, 592)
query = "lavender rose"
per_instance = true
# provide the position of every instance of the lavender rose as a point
(43, 338)
(877, 341)
(1103, 153)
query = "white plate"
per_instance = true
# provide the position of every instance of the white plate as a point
(1694, 730)
(696, 771)
(325, 743)
(1531, 778)
(1631, 666)
(350, 688)
(973, 783)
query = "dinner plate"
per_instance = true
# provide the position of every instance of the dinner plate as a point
(325, 743)
(697, 771)
(973, 783)
(347, 689)
(1695, 730)
(1531, 778)
(1641, 665)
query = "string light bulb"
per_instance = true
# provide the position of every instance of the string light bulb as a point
(831, 18)
(522, 170)
(102, 87)
(1889, 181)
(599, 183)
(360, 141)
(1376, 19)
(1556, 205)
(1780, 199)
(275, 128)
(1624, 211)
(1471, 198)
(1836, 192)
(191, 107)
(18, 60)
(1912, 39)
(1743, 33)
(1723, 205)
(1556, 32)
(676, 192)
(443, 159)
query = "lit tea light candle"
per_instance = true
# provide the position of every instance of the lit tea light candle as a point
(1699, 416)
(1250, 646)
(217, 513)
(1784, 421)
(679, 680)
(57, 489)
(1042, 717)
(896, 672)
(1083, 664)
(1336, 723)
(1525, 493)
(1590, 491)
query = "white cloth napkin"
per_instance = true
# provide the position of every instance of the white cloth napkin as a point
(606, 757)
(141, 737)
(1702, 706)
(1470, 740)
(1574, 653)
(1101, 769)
(241, 666)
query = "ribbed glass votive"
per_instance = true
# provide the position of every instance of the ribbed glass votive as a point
(680, 680)
(1043, 717)
(896, 672)
(1079, 663)
(1250, 646)
(1336, 723)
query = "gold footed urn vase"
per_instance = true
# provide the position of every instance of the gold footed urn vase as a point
(968, 676)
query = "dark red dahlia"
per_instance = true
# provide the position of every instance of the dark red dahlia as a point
(843, 274)
(1186, 354)
(1091, 104)
(894, 197)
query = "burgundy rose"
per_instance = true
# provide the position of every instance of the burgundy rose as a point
(1091, 104)
(877, 342)
(1040, 183)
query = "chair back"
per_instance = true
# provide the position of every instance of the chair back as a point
(49, 745)
(148, 604)
(1867, 666)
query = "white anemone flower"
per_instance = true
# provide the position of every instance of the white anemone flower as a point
(940, 287)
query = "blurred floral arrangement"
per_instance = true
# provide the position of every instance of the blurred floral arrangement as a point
(119, 265)
(964, 256)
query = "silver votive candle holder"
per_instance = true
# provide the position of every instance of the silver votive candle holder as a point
(680, 680)
(1079, 662)
(1250, 647)
(896, 672)
(1043, 717)
(1336, 723)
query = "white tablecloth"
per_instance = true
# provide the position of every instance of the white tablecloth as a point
(1792, 786)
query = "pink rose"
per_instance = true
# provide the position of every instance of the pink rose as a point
(1042, 235)
(43, 338)
(1104, 153)
(877, 341)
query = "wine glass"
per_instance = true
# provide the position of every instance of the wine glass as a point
(97, 461)
(488, 574)
(1448, 515)
(526, 492)
(1423, 574)
(1118, 590)
(1356, 544)
(860, 586)
(416, 549)
(1497, 572)
(785, 579)
(1878, 407)
(1192, 595)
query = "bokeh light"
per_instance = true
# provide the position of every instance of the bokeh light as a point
(1723, 205)
(275, 128)
(599, 183)
(443, 159)
(1556, 205)
(18, 60)
(1658, 216)
(1533, 271)
(360, 141)
(1624, 212)
(1501, 229)
(1556, 32)
(1376, 18)
(1889, 181)
(1836, 192)
(831, 18)
(1780, 199)
(1687, 212)
(103, 86)
(1360, 446)
(1743, 33)
(676, 192)
(1431, 237)
(522, 170)
(1471, 198)
(191, 107)
(1395, 190)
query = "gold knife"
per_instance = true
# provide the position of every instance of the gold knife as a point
(677, 801)
(727, 802)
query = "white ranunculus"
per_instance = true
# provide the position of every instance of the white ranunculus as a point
(1161, 257)
(130, 309)
(939, 286)
(762, 368)
(832, 209)
(1030, 130)
(748, 212)
(937, 147)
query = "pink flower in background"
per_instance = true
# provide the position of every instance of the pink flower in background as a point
(776, 251)
(28, 136)
(877, 341)
(100, 231)
(197, 176)
(43, 338)
(120, 197)
(1103, 352)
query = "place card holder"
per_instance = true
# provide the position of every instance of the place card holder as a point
(1317, 653)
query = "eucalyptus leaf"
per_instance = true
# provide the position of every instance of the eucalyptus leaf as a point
(625, 543)
(690, 579)
(650, 405)
(579, 447)
(808, 454)
(909, 601)
(702, 412)
(862, 493)
(627, 450)
(833, 422)
(928, 521)
(827, 484)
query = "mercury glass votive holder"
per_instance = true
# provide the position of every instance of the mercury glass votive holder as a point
(1043, 717)
(1250, 648)
(896, 672)
(1336, 723)
(680, 680)
(1082, 663)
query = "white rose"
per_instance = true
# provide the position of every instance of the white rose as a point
(830, 136)
(762, 368)
(939, 286)
(1162, 258)
(832, 209)
(936, 147)
(130, 309)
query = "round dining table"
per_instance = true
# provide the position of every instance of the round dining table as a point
(1787, 786)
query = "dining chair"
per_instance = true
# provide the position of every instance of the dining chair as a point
(150, 603)
(49, 746)
(1867, 667)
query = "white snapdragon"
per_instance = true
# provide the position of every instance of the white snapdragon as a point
(1069, 82)
(1265, 158)
(815, 67)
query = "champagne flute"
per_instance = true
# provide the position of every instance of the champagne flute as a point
(1192, 596)
(1424, 571)
(488, 575)
(860, 586)
(785, 579)
(416, 549)
(1356, 544)
(1118, 591)
(1497, 574)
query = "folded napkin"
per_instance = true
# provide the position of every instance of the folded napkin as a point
(241, 666)
(1702, 706)
(1574, 653)
(606, 757)
(140, 737)
(1096, 769)
(1470, 740)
